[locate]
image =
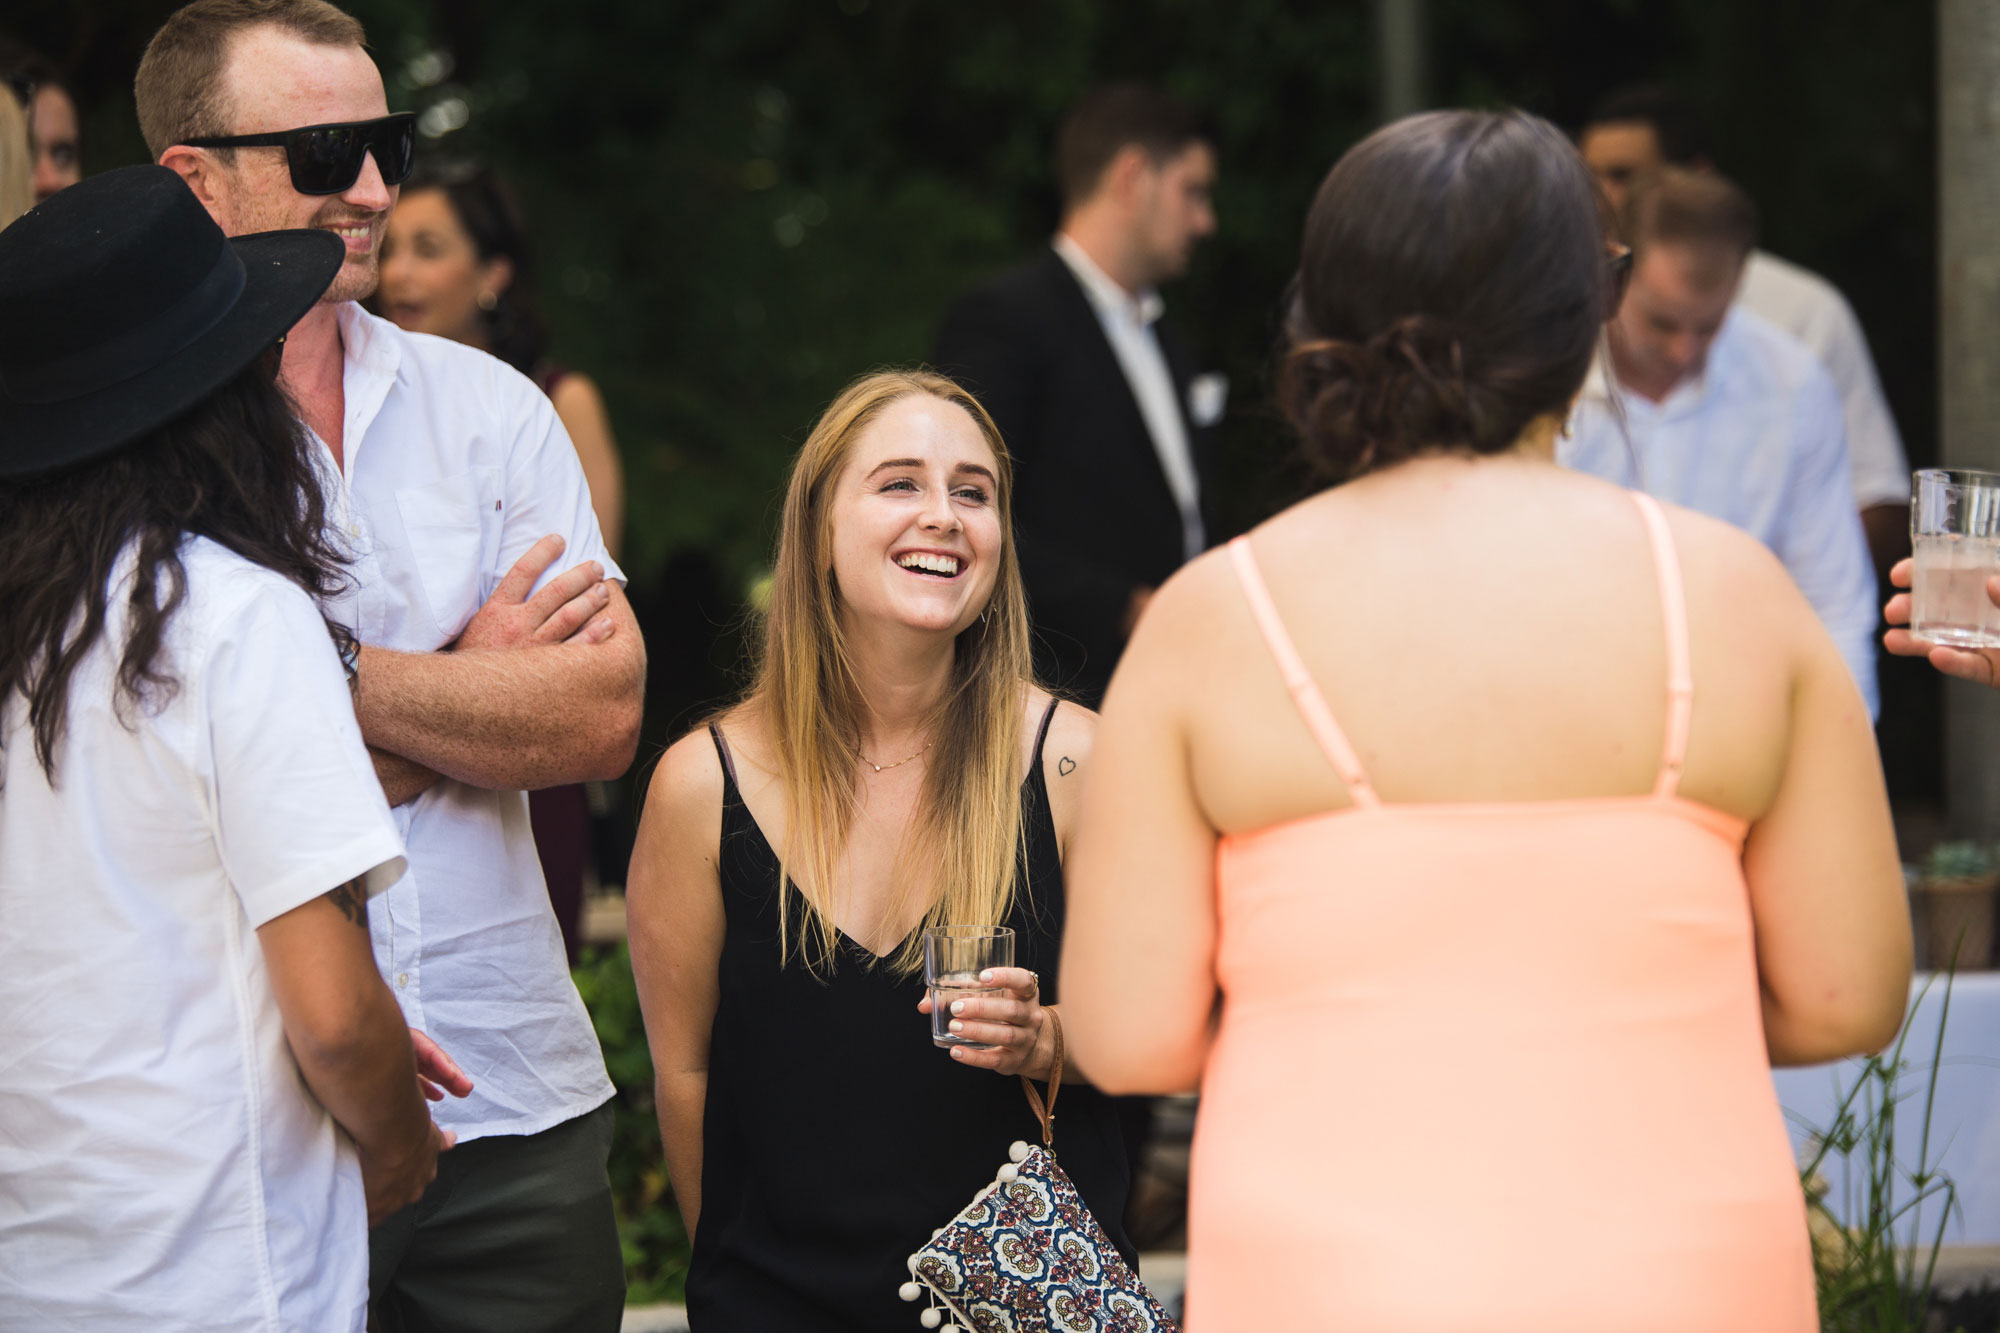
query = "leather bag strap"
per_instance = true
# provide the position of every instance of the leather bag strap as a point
(1046, 1112)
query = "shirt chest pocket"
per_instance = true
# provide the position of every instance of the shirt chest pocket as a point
(453, 527)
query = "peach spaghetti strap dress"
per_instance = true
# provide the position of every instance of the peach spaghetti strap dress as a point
(1493, 1067)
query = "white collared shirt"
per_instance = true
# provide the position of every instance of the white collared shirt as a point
(1756, 440)
(1129, 325)
(455, 466)
(1812, 310)
(162, 1164)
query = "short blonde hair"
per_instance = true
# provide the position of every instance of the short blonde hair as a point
(179, 84)
(17, 160)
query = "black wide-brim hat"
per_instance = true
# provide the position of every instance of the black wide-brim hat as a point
(122, 305)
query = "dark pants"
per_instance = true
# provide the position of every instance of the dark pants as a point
(516, 1235)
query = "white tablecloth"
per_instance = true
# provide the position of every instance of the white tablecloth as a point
(1965, 1115)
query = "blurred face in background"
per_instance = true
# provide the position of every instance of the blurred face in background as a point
(1175, 208)
(53, 130)
(433, 279)
(1679, 295)
(915, 519)
(1618, 152)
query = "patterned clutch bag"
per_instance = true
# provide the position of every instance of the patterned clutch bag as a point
(1027, 1256)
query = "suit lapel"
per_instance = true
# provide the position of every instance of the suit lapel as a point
(1091, 344)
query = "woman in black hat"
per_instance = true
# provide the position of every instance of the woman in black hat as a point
(189, 824)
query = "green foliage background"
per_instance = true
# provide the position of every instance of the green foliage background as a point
(741, 206)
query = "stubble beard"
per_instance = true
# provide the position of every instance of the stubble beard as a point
(354, 282)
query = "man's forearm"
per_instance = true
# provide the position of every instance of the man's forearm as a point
(403, 780)
(511, 719)
(369, 1086)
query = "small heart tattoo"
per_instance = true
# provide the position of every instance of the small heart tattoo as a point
(1066, 766)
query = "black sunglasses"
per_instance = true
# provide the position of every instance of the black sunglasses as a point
(1617, 273)
(326, 159)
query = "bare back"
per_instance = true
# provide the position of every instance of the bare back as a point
(1491, 632)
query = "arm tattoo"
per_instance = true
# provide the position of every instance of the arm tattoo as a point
(1065, 766)
(352, 902)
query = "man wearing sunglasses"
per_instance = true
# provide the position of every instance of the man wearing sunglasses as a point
(483, 672)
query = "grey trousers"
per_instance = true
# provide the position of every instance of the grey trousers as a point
(516, 1235)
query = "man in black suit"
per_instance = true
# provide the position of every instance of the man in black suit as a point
(1097, 398)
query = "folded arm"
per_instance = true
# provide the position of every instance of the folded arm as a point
(513, 718)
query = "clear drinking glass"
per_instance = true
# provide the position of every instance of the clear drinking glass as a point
(1955, 528)
(954, 956)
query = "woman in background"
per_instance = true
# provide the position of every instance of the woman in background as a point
(1477, 834)
(17, 163)
(456, 263)
(894, 767)
(54, 133)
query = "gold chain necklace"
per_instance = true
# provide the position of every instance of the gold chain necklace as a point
(884, 768)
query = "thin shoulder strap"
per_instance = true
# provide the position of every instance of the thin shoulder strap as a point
(1042, 732)
(1305, 694)
(722, 753)
(1680, 674)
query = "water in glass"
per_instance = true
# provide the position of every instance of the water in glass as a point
(1949, 601)
(955, 986)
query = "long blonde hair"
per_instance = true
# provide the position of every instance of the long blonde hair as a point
(962, 846)
(17, 160)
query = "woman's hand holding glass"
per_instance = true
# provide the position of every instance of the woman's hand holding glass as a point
(1007, 1023)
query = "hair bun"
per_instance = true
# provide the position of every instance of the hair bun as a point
(1364, 405)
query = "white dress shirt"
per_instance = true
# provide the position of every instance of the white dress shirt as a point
(1812, 310)
(1130, 327)
(162, 1164)
(1754, 439)
(455, 466)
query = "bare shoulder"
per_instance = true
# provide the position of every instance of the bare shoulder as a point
(1183, 625)
(1734, 577)
(577, 392)
(685, 793)
(1071, 731)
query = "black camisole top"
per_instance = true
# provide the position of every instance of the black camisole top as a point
(836, 1137)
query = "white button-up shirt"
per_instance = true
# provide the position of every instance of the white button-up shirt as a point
(455, 466)
(1754, 439)
(1129, 325)
(162, 1164)
(1812, 310)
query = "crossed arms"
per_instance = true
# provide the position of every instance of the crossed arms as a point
(537, 691)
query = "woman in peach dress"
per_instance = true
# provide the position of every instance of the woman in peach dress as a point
(1475, 834)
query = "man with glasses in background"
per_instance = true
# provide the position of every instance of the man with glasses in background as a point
(482, 672)
(1640, 128)
(1718, 410)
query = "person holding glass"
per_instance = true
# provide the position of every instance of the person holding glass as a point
(1980, 665)
(1541, 821)
(893, 768)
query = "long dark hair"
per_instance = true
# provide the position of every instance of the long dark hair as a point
(486, 208)
(1451, 289)
(236, 469)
